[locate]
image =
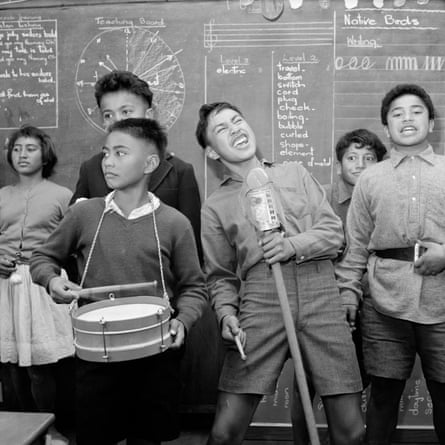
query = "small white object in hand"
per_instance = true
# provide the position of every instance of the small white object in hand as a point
(15, 278)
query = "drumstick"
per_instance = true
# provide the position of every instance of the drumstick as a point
(240, 347)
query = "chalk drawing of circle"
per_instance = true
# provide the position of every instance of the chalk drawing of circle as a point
(140, 51)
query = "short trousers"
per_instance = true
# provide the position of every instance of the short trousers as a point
(135, 398)
(390, 345)
(323, 334)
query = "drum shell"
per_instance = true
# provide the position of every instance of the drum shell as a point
(125, 339)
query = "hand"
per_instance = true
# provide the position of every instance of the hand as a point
(276, 247)
(7, 266)
(351, 315)
(177, 332)
(231, 328)
(432, 261)
(63, 291)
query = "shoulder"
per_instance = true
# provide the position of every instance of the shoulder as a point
(58, 190)
(171, 214)
(88, 207)
(178, 163)
(92, 162)
(7, 190)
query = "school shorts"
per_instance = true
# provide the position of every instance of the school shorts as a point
(135, 398)
(323, 334)
(390, 345)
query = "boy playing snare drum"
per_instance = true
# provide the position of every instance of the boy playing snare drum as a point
(128, 237)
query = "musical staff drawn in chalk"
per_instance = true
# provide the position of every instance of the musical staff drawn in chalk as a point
(260, 35)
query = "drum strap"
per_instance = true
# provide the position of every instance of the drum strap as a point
(158, 245)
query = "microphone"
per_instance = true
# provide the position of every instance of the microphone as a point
(261, 200)
(263, 210)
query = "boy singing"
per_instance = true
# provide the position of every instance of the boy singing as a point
(396, 203)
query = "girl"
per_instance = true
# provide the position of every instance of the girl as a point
(35, 332)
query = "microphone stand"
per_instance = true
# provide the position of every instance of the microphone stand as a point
(295, 353)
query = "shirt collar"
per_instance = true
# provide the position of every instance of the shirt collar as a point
(427, 155)
(344, 192)
(146, 209)
(228, 175)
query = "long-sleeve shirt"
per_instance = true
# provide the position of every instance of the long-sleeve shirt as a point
(394, 203)
(126, 251)
(230, 241)
(339, 196)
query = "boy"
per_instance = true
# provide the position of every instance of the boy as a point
(120, 95)
(311, 237)
(396, 203)
(355, 151)
(118, 240)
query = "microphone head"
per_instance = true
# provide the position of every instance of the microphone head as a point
(257, 177)
(261, 200)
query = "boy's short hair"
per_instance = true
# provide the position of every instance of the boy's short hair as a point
(361, 138)
(204, 112)
(49, 157)
(401, 90)
(122, 81)
(148, 130)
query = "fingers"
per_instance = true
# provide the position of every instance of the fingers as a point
(177, 332)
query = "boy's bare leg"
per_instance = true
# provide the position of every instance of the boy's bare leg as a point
(345, 420)
(437, 393)
(383, 409)
(233, 415)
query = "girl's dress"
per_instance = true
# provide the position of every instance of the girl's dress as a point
(34, 330)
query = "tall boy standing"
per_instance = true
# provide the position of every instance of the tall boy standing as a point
(311, 237)
(396, 203)
(121, 95)
(129, 236)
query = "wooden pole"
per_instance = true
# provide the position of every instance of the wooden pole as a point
(296, 354)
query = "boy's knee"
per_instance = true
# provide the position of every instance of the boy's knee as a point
(220, 436)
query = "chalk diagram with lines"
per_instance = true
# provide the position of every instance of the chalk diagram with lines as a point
(141, 51)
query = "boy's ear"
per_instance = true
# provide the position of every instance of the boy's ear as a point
(149, 113)
(385, 129)
(151, 164)
(212, 154)
(338, 167)
(431, 125)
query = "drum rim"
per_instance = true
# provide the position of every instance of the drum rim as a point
(95, 325)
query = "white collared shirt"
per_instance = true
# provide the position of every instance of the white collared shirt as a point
(146, 209)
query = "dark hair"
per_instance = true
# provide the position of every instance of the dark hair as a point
(142, 128)
(361, 138)
(122, 81)
(49, 157)
(204, 113)
(401, 90)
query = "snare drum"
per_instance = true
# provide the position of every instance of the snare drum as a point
(121, 329)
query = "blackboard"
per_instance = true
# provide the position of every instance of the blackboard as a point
(302, 79)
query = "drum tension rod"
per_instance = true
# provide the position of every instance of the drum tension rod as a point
(103, 322)
(163, 346)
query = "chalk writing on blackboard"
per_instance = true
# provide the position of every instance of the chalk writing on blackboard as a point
(263, 35)
(125, 46)
(28, 72)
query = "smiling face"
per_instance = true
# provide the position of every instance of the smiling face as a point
(230, 137)
(127, 160)
(26, 156)
(122, 104)
(354, 161)
(409, 123)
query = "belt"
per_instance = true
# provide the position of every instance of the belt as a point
(401, 253)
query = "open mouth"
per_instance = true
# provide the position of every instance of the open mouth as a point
(240, 141)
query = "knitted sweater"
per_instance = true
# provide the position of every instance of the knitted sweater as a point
(126, 251)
